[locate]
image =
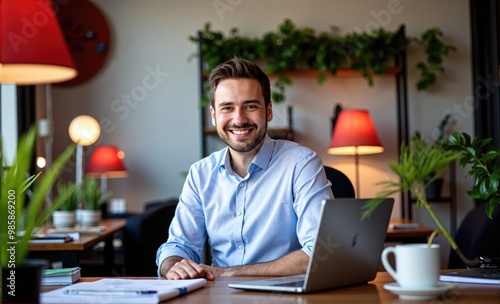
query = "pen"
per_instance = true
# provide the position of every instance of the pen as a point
(90, 292)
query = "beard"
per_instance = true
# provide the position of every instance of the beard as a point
(247, 145)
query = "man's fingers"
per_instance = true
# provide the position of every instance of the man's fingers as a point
(209, 275)
(171, 275)
(193, 269)
(186, 269)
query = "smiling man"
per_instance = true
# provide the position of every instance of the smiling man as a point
(257, 200)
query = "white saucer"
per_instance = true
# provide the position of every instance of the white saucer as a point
(426, 293)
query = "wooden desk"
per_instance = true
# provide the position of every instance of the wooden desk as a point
(414, 235)
(217, 292)
(69, 252)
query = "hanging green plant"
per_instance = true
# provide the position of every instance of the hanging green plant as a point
(435, 50)
(291, 48)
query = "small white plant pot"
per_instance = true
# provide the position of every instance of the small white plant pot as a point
(90, 218)
(64, 219)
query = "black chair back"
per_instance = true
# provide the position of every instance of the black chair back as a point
(341, 185)
(142, 236)
(478, 235)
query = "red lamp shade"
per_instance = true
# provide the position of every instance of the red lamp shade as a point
(33, 49)
(107, 161)
(354, 133)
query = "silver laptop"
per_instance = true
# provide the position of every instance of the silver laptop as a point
(346, 252)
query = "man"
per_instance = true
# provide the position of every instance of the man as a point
(257, 201)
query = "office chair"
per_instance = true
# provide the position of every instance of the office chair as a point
(142, 236)
(341, 185)
(478, 235)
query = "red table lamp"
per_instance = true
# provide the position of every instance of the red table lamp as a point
(355, 134)
(106, 162)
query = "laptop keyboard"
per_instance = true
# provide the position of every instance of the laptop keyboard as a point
(291, 284)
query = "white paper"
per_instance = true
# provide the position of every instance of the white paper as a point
(166, 289)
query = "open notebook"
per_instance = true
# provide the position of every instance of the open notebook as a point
(122, 291)
(346, 252)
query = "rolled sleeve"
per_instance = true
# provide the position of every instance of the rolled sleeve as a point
(166, 251)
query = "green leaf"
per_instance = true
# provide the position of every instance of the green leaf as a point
(490, 206)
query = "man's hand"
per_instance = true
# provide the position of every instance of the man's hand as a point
(186, 269)
(177, 268)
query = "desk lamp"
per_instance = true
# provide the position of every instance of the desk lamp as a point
(84, 130)
(354, 134)
(106, 162)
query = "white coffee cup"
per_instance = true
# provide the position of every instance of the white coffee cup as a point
(417, 265)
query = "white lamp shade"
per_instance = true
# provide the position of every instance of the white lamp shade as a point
(84, 130)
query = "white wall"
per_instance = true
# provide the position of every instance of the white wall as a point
(161, 134)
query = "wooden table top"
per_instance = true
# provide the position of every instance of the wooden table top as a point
(218, 292)
(86, 240)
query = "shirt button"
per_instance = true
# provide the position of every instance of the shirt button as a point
(242, 185)
(238, 213)
(240, 247)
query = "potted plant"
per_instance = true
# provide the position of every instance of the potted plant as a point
(93, 199)
(21, 214)
(420, 160)
(65, 217)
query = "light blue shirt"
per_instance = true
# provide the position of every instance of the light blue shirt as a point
(271, 212)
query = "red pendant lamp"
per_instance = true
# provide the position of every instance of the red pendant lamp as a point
(33, 49)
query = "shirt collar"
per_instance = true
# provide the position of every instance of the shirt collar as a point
(261, 159)
(265, 152)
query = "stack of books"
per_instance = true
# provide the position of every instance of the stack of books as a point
(62, 276)
(51, 239)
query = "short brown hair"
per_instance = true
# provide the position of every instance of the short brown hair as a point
(239, 68)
